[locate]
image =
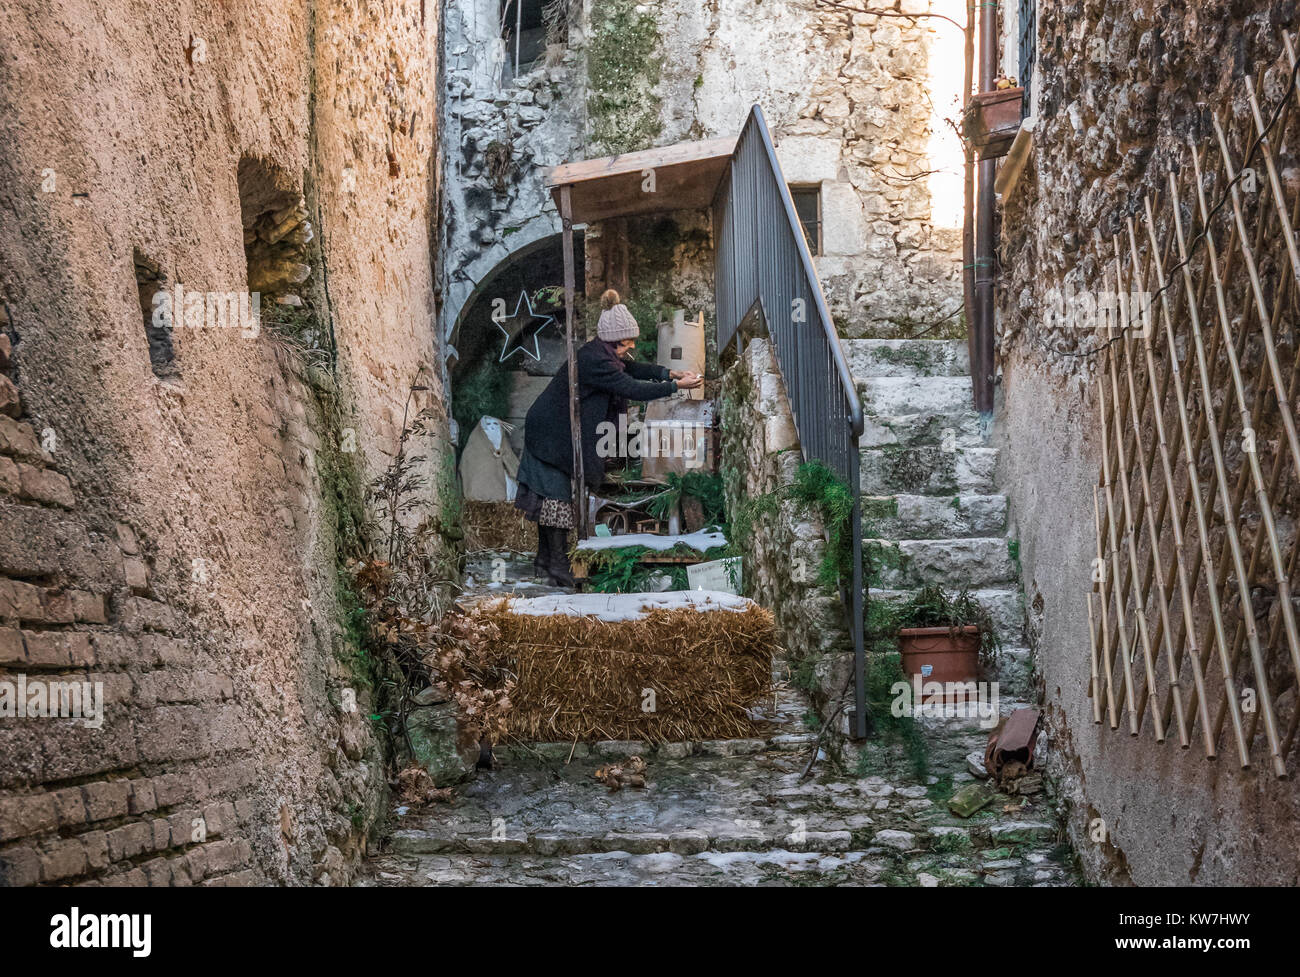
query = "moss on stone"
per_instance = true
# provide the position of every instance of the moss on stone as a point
(624, 66)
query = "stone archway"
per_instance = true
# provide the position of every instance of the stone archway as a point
(492, 375)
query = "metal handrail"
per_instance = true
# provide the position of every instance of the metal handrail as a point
(762, 261)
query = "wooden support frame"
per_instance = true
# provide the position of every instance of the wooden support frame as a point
(580, 517)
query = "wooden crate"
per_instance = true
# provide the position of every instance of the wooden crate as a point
(992, 120)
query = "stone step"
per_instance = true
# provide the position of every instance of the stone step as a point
(933, 516)
(979, 561)
(878, 865)
(962, 430)
(788, 742)
(946, 396)
(439, 839)
(1005, 605)
(907, 357)
(928, 470)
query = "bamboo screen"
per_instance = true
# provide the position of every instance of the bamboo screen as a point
(1192, 612)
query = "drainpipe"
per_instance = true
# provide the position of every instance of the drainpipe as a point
(982, 365)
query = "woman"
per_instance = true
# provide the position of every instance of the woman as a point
(607, 379)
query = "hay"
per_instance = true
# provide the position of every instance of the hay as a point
(498, 526)
(582, 678)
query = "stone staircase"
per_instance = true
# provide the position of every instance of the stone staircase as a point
(931, 510)
(723, 812)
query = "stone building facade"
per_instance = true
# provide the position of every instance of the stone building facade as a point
(857, 104)
(1117, 92)
(176, 498)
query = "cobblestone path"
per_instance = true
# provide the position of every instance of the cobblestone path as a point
(727, 812)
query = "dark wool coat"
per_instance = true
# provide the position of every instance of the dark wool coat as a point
(605, 385)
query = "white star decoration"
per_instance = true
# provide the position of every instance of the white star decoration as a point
(514, 343)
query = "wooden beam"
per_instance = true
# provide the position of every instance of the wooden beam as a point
(656, 159)
(681, 177)
(575, 419)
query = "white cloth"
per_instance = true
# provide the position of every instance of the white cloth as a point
(488, 465)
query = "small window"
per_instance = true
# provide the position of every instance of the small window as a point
(808, 205)
(149, 280)
(528, 27)
(1028, 22)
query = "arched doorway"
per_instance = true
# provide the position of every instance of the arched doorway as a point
(509, 336)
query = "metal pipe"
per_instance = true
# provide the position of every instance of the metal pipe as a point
(982, 369)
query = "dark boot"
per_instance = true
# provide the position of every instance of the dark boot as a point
(560, 572)
(542, 562)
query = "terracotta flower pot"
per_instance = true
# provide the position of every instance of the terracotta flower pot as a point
(941, 654)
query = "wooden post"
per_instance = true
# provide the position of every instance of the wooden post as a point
(575, 420)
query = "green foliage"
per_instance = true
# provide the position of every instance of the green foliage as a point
(647, 308)
(354, 633)
(952, 844)
(818, 488)
(883, 671)
(617, 570)
(705, 486)
(484, 392)
(624, 65)
(620, 569)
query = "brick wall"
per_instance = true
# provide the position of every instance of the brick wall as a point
(157, 795)
(180, 538)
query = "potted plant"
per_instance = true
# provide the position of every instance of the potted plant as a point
(943, 638)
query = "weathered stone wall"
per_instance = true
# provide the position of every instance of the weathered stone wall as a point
(786, 541)
(500, 137)
(177, 537)
(1119, 89)
(846, 99)
(849, 100)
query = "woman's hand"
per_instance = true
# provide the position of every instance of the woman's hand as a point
(685, 379)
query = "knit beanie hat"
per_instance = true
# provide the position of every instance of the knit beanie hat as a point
(616, 321)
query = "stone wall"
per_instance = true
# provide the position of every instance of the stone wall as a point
(786, 542)
(1119, 89)
(176, 534)
(854, 101)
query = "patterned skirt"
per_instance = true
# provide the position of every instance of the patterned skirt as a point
(544, 494)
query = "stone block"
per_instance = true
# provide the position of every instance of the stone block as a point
(129, 840)
(45, 485)
(71, 805)
(20, 867)
(95, 844)
(19, 440)
(141, 799)
(10, 403)
(63, 861)
(12, 651)
(88, 607)
(107, 799)
(20, 600)
(27, 814)
(46, 648)
(433, 733)
(10, 481)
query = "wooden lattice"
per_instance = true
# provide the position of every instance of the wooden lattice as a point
(1192, 616)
